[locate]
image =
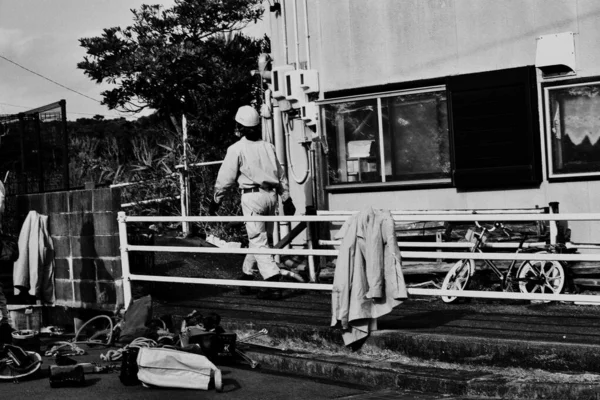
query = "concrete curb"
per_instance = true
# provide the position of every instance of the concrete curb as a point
(426, 379)
(475, 350)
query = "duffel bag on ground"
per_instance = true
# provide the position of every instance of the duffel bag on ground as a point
(170, 368)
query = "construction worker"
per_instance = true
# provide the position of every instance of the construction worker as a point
(253, 164)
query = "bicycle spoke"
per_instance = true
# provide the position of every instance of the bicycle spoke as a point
(552, 289)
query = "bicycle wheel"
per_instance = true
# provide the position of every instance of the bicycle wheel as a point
(541, 276)
(458, 278)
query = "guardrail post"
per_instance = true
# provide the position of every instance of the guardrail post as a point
(310, 230)
(126, 274)
(553, 224)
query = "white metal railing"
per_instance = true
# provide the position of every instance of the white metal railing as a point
(123, 219)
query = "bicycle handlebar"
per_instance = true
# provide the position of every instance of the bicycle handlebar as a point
(497, 225)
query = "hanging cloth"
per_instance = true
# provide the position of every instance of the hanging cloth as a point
(368, 281)
(33, 271)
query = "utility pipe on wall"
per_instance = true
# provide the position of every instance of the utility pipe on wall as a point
(284, 27)
(307, 35)
(280, 151)
(296, 34)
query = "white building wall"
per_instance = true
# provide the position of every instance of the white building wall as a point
(356, 43)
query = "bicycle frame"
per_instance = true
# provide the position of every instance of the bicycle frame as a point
(508, 275)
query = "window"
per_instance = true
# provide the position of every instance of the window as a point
(478, 131)
(400, 138)
(573, 130)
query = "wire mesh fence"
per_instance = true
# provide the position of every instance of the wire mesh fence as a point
(33, 150)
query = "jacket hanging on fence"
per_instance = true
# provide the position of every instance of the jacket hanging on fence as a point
(368, 281)
(33, 271)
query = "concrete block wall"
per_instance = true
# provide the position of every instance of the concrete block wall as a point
(84, 230)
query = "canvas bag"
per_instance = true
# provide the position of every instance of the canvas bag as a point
(170, 368)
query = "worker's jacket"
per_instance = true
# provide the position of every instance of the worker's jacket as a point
(368, 281)
(251, 164)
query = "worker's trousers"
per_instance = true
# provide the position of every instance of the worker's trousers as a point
(259, 203)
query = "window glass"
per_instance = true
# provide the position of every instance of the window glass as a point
(415, 129)
(415, 139)
(353, 138)
(575, 129)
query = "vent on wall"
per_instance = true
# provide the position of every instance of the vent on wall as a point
(555, 54)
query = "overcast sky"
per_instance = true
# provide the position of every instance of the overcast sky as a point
(42, 36)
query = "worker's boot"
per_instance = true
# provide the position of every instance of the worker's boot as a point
(270, 293)
(245, 290)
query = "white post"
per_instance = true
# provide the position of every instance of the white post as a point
(553, 209)
(184, 179)
(126, 273)
(312, 273)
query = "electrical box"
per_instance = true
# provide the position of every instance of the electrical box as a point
(309, 80)
(309, 113)
(278, 80)
(293, 91)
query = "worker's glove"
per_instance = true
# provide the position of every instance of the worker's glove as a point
(213, 208)
(288, 207)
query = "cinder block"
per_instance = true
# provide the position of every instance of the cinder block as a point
(107, 246)
(102, 200)
(106, 293)
(83, 246)
(82, 224)
(62, 268)
(57, 202)
(108, 269)
(84, 269)
(85, 291)
(105, 223)
(62, 246)
(58, 224)
(116, 194)
(63, 290)
(80, 200)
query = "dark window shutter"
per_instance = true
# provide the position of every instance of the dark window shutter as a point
(495, 129)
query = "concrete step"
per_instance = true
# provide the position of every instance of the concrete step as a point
(449, 382)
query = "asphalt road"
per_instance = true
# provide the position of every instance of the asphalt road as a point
(238, 383)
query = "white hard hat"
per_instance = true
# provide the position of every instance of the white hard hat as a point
(247, 116)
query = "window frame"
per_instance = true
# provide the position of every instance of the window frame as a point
(546, 89)
(383, 183)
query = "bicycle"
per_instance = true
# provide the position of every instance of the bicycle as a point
(530, 276)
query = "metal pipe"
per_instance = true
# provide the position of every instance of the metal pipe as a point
(465, 245)
(411, 291)
(284, 27)
(126, 274)
(396, 217)
(403, 254)
(450, 212)
(159, 200)
(297, 60)
(232, 282)
(200, 164)
(307, 35)
(284, 226)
